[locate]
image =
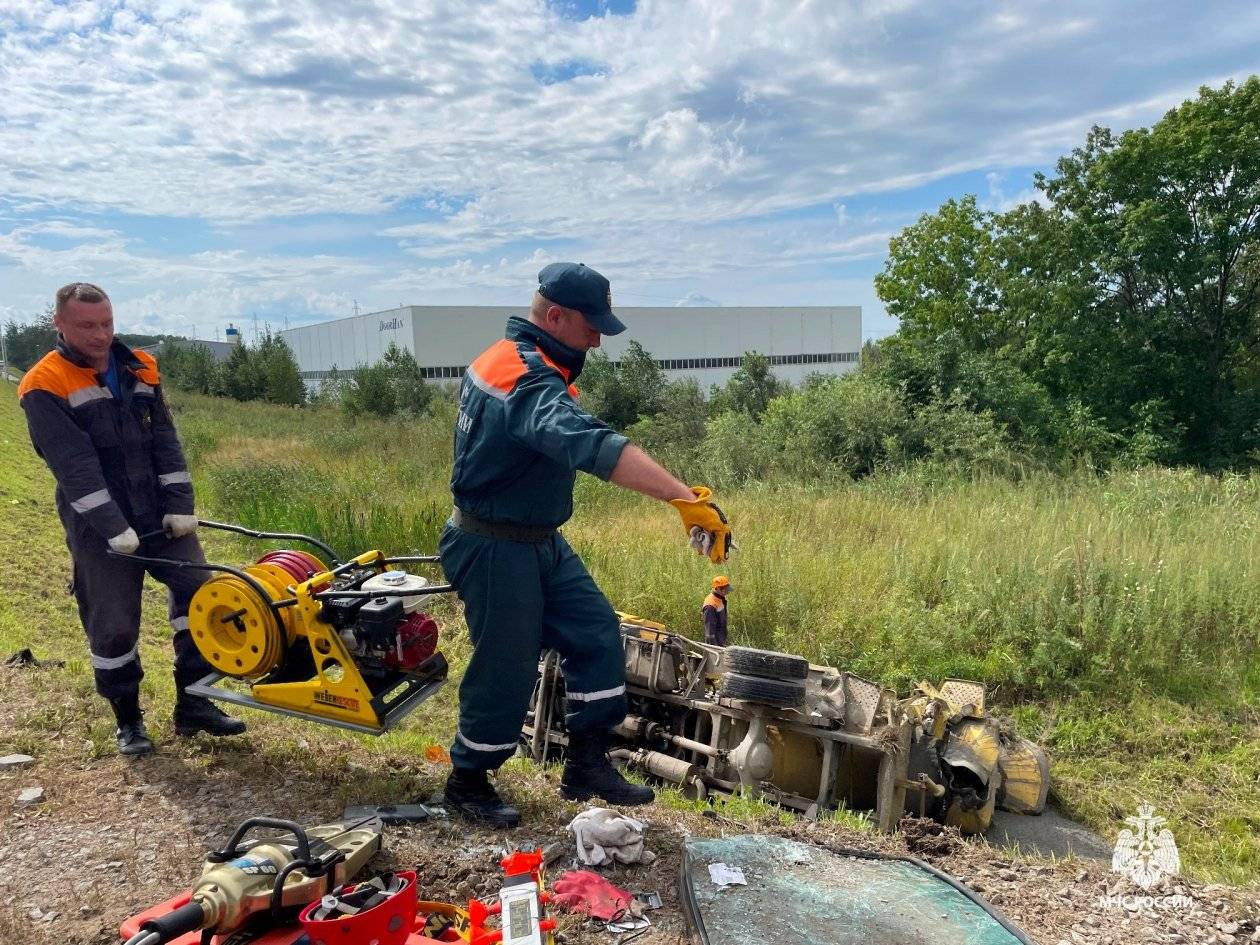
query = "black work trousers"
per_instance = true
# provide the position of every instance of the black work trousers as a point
(107, 589)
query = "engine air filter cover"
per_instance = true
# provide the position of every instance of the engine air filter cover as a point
(399, 581)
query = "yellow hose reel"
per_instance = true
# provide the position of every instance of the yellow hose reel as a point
(235, 628)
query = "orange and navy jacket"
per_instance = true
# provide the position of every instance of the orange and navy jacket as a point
(520, 436)
(117, 463)
(714, 614)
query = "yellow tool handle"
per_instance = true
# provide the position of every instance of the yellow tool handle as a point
(324, 577)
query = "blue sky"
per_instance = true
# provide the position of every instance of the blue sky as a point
(218, 162)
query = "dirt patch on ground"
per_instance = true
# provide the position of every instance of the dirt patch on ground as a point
(113, 837)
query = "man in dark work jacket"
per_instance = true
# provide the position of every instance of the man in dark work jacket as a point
(520, 438)
(96, 415)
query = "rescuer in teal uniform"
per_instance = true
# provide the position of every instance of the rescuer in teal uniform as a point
(520, 438)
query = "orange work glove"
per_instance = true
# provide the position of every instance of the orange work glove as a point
(707, 528)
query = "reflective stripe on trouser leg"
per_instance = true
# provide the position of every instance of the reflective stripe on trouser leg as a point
(501, 586)
(580, 624)
(107, 591)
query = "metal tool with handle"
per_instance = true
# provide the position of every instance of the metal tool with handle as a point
(273, 875)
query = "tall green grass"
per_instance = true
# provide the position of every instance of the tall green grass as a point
(1138, 581)
(355, 484)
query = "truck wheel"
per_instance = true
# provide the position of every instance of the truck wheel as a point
(765, 663)
(782, 693)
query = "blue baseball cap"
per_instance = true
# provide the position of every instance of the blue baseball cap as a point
(577, 286)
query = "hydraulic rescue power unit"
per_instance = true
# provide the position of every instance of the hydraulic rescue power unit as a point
(343, 643)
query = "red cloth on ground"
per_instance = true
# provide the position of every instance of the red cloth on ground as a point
(584, 891)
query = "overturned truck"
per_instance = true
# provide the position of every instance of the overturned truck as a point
(808, 737)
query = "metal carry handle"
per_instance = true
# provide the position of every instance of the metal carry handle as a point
(285, 536)
(233, 849)
(274, 606)
(334, 559)
(386, 592)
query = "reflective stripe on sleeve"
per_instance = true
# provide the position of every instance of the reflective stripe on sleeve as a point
(486, 385)
(114, 662)
(143, 388)
(478, 746)
(85, 395)
(596, 696)
(175, 478)
(179, 623)
(90, 501)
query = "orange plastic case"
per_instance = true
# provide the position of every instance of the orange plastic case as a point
(291, 932)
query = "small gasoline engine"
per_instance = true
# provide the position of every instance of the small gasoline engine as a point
(346, 644)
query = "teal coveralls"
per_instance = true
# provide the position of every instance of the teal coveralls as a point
(520, 438)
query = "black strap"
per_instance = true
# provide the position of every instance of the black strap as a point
(503, 531)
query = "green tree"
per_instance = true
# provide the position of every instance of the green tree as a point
(190, 367)
(278, 369)
(641, 384)
(622, 392)
(331, 390)
(850, 424)
(939, 275)
(1169, 219)
(370, 391)
(27, 343)
(412, 394)
(750, 389)
(676, 433)
(943, 373)
(393, 385)
(1130, 298)
(240, 377)
(599, 385)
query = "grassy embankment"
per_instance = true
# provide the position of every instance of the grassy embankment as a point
(1115, 619)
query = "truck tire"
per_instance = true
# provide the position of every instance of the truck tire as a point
(781, 693)
(765, 663)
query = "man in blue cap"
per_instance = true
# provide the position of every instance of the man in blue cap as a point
(520, 438)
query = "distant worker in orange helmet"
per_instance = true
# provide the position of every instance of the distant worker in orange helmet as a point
(714, 611)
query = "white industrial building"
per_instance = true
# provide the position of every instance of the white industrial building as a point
(705, 343)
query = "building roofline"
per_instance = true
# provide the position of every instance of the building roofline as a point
(620, 308)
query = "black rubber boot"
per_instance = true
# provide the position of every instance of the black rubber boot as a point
(470, 794)
(131, 736)
(195, 714)
(588, 773)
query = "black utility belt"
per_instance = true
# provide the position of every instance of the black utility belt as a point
(504, 531)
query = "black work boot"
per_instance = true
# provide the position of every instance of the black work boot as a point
(588, 772)
(131, 735)
(195, 714)
(470, 794)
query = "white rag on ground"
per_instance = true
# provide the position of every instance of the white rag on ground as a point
(604, 836)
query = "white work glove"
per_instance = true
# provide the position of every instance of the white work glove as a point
(177, 526)
(701, 541)
(604, 836)
(127, 543)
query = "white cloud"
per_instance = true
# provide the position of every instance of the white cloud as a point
(681, 151)
(998, 200)
(697, 300)
(171, 293)
(708, 125)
